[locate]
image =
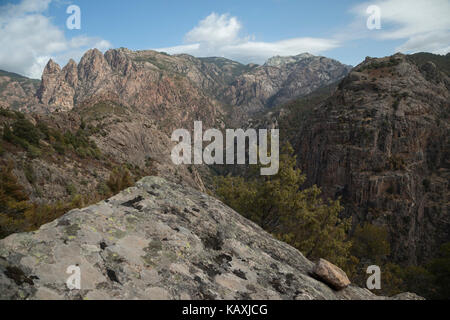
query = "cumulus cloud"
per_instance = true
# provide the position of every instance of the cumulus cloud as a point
(215, 29)
(220, 35)
(28, 39)
(423, 24)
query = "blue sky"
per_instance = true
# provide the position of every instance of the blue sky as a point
(32, 31)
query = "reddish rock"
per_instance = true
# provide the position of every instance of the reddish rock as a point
(331, 274)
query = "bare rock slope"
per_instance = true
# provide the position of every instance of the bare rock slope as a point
(381, 142)
(159, 240)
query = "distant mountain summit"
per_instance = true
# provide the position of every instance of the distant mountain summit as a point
(125, 76)
(278, 61)
(280, 80)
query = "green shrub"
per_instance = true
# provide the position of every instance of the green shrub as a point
(440, 269)
(82, 152)
(119, 179)
(13, 200)
(29, 173)
(71, 189)
(103, 189)
(7, 134)
(295, 215)
(44, 129)
(25, 130)
(33, 152)
(370, 242)
(59, 148)
(7, 113)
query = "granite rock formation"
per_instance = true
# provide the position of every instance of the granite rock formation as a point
(159, 240)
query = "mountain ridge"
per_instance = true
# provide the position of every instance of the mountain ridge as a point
(224, 80)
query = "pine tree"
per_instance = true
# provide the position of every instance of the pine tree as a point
(296, 215)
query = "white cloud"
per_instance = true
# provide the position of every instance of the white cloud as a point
(215, 29)
(181, 49)
(219, 35)
(424, 24)
(28, 39)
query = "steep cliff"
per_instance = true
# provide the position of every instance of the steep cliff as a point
(381, 142)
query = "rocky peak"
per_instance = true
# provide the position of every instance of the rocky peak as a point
(160, 240)
(70, 72)
(57, 87)
(278, 61)
(50, 80)
(281, 79)
(119, 61)
(92, 66)
(51, 68)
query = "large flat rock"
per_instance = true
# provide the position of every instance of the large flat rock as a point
(158, 240)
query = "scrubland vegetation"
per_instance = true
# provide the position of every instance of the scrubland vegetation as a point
(297, 215)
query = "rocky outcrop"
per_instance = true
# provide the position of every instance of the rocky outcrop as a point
(118, 77)
(381, 142)
(134, 105)
(159, 240)
(55, 92)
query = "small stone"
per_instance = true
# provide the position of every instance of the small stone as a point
(331, 274)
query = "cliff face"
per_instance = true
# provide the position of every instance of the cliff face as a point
(159, 240)
(381, 142)
(117, 77)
